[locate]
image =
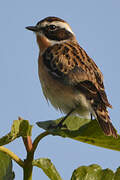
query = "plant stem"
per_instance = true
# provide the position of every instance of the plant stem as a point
(28, 167)
(37, 140)
(28, 173)
(30, 148)
(28, 143)
(12, 155)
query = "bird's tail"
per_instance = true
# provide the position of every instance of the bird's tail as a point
(105, 122)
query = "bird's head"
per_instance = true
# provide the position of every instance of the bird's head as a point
(52, 30)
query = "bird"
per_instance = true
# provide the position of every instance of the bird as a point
(71, 81)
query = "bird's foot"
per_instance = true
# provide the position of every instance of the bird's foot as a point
(57, 126)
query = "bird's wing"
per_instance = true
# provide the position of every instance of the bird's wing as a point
(70, 64)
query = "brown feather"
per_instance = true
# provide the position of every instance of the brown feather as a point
(105, 122)
(72, 64)
(69, 63)
(69, 67)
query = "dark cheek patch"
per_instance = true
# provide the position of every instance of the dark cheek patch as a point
(58, 35)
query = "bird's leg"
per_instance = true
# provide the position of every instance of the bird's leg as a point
(91, 116)
(60, 124)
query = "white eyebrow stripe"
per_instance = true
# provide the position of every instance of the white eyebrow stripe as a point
(60, 24)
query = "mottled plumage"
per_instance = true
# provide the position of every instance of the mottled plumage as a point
(70, 79)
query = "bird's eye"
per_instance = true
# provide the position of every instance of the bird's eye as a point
(52, 27)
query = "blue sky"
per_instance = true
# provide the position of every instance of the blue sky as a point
(97, 28)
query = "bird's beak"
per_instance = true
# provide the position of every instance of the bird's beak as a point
(33, 28)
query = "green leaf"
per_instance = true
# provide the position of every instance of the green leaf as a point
(19, 128)
(117, 174)
(95, 172)
(48, 168)
(84, 130)
(5, 167)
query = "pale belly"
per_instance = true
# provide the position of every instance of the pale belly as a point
(62, 97)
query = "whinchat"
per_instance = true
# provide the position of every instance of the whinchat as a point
(70, 79)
